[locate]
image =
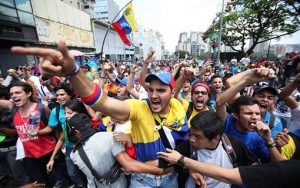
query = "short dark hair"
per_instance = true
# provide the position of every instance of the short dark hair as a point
(77, 106)
(65, 86)
(209, 122)
(216, 76)
(26, 88)
(243, 101)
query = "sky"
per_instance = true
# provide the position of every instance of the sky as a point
(171, 17)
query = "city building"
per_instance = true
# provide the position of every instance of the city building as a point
(146, 41)
(105, 10)
(113, 49)
(193, 44)
(17, 28)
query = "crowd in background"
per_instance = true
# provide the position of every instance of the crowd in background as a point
(255, 103)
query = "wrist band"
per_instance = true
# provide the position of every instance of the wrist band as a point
(273, 144)
(94, 98)
(74, 72)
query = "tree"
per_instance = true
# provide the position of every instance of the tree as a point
(256, 20)
(181, 54)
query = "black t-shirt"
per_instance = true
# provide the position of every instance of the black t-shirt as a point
(284, 174)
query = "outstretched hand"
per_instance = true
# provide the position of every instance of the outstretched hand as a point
(52, 62)
(150, 57)
(172, 156)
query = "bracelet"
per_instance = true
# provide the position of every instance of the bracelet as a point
(94, 98)
(273, 144)
(73, 73)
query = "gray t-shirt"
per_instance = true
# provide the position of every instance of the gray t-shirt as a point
(101, 151)
(217, 157)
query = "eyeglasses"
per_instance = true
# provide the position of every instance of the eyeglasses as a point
(198, 92)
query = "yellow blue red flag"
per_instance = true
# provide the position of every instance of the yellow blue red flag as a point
(126, 24)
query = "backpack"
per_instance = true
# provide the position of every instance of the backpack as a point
(227, 146)
(41, 108)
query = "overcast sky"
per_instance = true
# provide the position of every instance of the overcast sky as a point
(171, 17)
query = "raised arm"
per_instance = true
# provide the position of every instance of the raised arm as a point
(285, 94)
(143, 74)
(130, 86)
(61, 63)
(255, 76)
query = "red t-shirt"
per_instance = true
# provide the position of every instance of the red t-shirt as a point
(33, 146)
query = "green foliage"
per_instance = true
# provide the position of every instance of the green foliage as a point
(256, 20)
(182, 54)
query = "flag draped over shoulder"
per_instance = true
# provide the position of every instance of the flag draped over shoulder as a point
(126, 24)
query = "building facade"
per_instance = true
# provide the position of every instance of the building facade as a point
(146, 41)
(193, 44)
(17, 28)
(105, 10)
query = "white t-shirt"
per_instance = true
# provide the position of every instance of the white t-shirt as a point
(295, 124)
(217, 157)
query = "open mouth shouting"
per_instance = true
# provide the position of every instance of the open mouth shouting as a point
(199, 104)
(252, 125)
(17, 101)
(155, 105)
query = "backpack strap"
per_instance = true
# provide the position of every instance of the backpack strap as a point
(229, 149)
(163, 136)
(189, 110)
(41, 108)
(109, 178)
(13, 111)
(272, 120)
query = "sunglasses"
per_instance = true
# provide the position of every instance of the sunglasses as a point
(198, 92)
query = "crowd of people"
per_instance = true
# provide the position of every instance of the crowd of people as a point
(175, 123)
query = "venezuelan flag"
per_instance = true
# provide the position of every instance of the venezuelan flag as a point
(126, 24)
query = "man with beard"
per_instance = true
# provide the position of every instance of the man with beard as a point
(200, 95)
(159, 114)
(246, 114)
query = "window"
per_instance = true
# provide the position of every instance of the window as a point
(8, 3)
(24, 5)
(26, 18)
(8, 11)
(78, 5)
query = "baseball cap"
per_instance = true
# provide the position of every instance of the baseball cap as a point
(122, 81)
(80, 122)
(164, 76)
(259, 89)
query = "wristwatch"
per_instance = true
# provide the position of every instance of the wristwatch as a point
(180, 161)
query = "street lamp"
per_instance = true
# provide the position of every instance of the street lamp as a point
(228, 8)
(220, 36)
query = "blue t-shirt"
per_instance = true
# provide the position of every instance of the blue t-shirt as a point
(252, 140)
(277, 124)
(53, 122)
